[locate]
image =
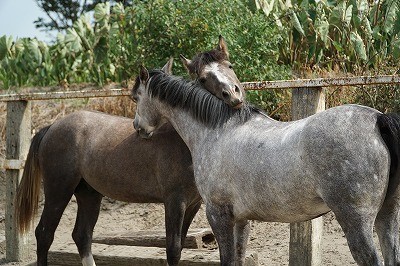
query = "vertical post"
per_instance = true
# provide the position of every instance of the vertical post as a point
(305, 237)
(18, 136)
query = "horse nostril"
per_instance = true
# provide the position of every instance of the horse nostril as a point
(237, 103)
(225, 94)
(237, 90)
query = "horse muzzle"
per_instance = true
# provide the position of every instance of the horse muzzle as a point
(233, 97)
(142, 132)
(236, 104)
(145, 135)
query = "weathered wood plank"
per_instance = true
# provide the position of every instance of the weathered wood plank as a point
(306, 237)
(195, 239)
(18, 136)
(306, 102)
(305, 243)
(322, 82)
(66, 254)
(65, 94)
(118, 90)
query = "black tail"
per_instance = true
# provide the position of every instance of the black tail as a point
(389, 126)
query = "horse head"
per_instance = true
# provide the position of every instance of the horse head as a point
(215, 72)
(146, 121)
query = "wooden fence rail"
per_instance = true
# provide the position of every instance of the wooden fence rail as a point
(117, 90)
(307, 98)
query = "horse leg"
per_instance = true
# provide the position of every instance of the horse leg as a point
(242, 232)
(190, 213)
(387, 228)
(88, 201)
(220, 218)
(56, 201)
(174, 213)
(359, 234)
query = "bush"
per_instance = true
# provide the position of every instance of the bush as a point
(149, 32)
(110, 46)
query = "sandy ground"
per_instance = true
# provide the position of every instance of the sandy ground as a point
(270, 240)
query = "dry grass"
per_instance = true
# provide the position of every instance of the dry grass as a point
(122, 106)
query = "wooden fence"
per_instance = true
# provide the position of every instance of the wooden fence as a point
(307, 98)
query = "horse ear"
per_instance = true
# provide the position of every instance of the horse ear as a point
(222, 46)
(167, 68)
(144, 75)
(186, 62)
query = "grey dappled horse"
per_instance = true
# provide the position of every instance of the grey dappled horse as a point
(91, 154)
(248, 166)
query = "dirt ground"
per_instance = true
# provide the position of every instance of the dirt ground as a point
(270, 240)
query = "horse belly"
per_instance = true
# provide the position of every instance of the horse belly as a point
(286, 207)
(264, 185)
(125, 184)
(279, 188)
(136, 195)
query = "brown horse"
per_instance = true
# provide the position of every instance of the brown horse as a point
(91, 155)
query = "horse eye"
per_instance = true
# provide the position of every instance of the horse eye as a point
(230, 66)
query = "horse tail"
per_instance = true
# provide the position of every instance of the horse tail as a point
(389, 127)
(27, 198)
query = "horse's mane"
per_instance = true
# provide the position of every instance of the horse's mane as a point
(191, 96)
(205, 58)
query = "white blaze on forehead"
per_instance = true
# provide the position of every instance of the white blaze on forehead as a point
(213, 68)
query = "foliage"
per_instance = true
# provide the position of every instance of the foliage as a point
(110, 45)
(63, 14)
(25, 61)
(352, 35)
(385, 98)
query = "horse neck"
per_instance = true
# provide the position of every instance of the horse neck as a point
(191, 130)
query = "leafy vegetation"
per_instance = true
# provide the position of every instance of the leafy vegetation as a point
(120, 38)
(351, 35)
(110, 44)
(61, 15)
(361, 37)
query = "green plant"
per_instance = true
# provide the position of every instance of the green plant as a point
(25, 61)
(110, 45)
(353, 35)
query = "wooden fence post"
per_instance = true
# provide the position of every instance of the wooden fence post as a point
(18, 137)
(305, 237)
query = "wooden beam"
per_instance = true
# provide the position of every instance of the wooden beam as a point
(18, 138)
(306, 237)
(64, 95)
(195, 238)
(117, 90)
(13, 164)
(322, 82)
